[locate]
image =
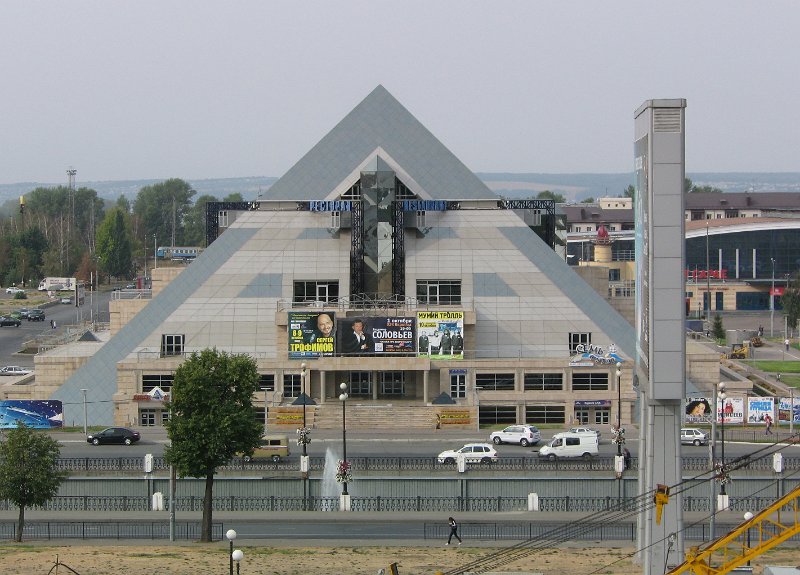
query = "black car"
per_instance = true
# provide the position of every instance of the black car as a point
(7, 320)
(35, 315)
(114, 435)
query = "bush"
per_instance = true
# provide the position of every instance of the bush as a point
(20, 295)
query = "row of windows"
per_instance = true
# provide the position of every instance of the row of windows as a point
(430, 292)
(541, 415)
(393, 382)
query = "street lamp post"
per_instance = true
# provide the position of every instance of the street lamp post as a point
(237, 556)
(343, 399)
(723, 471)
(620, 436)
(747, 517)
(231, 535)
(85, 430)
(708, 279)
(304, 439)
(772, 302)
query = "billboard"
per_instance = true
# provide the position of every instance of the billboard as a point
(698, 410)
(440, 334)
(732, 408)
(311, 334)
(758, 408)
(789, 410)
(376, 335)
(35, 413)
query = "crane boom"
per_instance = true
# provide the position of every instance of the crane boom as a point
(769, 528)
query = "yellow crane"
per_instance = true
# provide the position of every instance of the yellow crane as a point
(769, 528)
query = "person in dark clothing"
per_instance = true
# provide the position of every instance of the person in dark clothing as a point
(453, 531)
(626, 457)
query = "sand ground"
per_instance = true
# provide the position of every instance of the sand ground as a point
(212, 559)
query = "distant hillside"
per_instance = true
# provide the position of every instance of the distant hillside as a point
(574, 187)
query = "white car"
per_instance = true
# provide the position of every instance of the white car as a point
(472, 452)
(14, 290)
(588, 430)
(14, 370)
(523, 435)
(693, 436)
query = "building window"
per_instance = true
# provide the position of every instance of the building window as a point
(147, 417)
(393, 383)
(601, 415)
(576, 339)
(172, 344)
(313, 291)
(421, 220)
(494, 414)
(336, 220)
(266, 381)
(613, 275)
(164, 417)
(589, 381)
(292, 384)
(150, 381)
(439, 292)
(544, 381)
(494, 381)
(360, 383)
(458, 385)
(545, 414)
(259, 414)
(582, 416)
(222, 219)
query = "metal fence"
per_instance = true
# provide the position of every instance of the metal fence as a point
(402, 464)
(106, 530)
(498, 504)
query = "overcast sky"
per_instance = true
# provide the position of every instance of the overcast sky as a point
(201, 89)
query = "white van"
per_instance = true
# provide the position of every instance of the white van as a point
(570, 445)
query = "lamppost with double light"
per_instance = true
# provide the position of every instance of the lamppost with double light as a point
(231, 536)
(343, 398)
(723, 477)
(85, 429)
(620, 433)
(772, 301)
(304, 436)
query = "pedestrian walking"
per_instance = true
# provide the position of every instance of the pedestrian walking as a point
(786, 343)
(453, 531)
(768, 423)
(52, 324)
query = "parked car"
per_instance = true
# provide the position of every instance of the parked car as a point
(272, 446)
(35, 315)
(589, 430)
(115, 435)
(523, 435)
(7, 320)
(693, 436)
(14, 290)
(14, 370)
(21, 313)
(472, 452)
(66, 300)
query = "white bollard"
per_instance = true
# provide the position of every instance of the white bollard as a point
(158, 501)
(344, 502)
(533, 502)
(304, 463)
(462, 463)
(777, 462)
(722, 502)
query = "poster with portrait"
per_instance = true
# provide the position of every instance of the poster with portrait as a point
(789, 410)
(376, 335)
(758, 408)
(440, 334)
(698, 410)
(311, 334)
(732, 408)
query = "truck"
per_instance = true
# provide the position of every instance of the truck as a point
(57, 284)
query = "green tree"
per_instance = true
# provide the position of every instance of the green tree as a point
(29, 474)
(211, 418)
(195, 224)
(630, 192)
(705, 190)
(717, 330)
(548, 195)
(114, 245)
(790, 300)
(588, 201)
(161, 209)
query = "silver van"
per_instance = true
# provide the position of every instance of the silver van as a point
(570, 445)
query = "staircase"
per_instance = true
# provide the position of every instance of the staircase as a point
(371, 416)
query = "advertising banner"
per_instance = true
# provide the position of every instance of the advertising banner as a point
(440, 334)
(789, 410)
(376, 335)
(732, 408)
(698, 410)
(758, 408)
(35, 413)
(311, 334)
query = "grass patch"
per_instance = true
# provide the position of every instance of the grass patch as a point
(774, 366)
